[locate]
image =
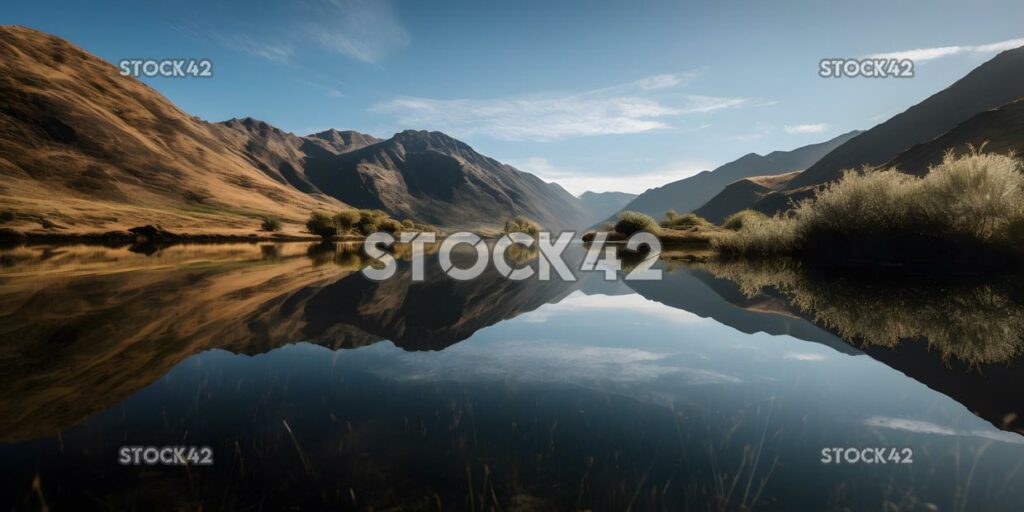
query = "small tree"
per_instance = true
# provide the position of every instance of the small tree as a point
(321, 224)
(632, 222)
(671, 215)
(270, 224)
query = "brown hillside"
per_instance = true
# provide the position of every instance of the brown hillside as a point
(86, 149)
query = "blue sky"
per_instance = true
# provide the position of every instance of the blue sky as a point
(601, 95)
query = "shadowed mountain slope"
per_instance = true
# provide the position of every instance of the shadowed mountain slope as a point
(690, 193)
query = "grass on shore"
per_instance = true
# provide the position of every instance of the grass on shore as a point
(966, 206)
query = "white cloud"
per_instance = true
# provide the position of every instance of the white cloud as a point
(925, 54)
(806, 128)
(578, 182)
(926, 427)
(805, 356)
(634, 303)
(622, 109)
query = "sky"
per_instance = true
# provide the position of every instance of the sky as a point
(595, 95)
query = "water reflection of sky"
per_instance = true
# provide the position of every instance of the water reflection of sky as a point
(600, 385)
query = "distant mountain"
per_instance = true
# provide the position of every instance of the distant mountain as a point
(742, 194)
(995, 83)
(83, 148)
(1000, 130)
(601, 205)
(690, 193)
(434, 178)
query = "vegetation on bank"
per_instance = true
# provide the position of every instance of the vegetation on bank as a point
(522, 225)
(270, 224)
(975, 323)
(359, 223)
(966, 206)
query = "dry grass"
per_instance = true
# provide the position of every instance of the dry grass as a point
(970, 204)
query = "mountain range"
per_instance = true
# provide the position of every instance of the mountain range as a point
(688, 194)
(979, 107)
(117, 154)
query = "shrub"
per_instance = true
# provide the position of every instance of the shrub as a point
(671, 214)
(522, 225)
(408, 224)
(270, 224)
(322, 225)
(372, 215)
(347, 219)
(368, 226)
(6, 216)
(688, 221)
(390, 226)
(632, 222)
(736, 221)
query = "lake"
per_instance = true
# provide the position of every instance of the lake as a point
(720, 387)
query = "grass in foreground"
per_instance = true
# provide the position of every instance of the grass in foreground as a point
(966, 207)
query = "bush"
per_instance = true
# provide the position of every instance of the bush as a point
(962, 206)
(522, 225)
(368, 226)
(347, 219)
(6, 216)
(408, 224)
(390, 226)
(375, 215)
(736, 221)
(632, 222)
(322, 225)
(688, 221)
(671, 214)
(270, 224)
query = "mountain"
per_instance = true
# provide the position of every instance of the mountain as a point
(437, 179)
(742, 194)
(690, 193)
(1000, 130)
(601, 205)
(83, 148)
(991, 85)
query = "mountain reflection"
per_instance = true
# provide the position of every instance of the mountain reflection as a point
(716, 385)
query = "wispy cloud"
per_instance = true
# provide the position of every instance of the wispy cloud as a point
(926, 54)
(365, 30)
(806, 128)
(927, 427)
(579, 181)
(622, 109)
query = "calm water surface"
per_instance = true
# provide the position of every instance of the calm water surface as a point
(714, 389)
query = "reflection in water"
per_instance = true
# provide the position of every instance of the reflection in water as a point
(975, 323)
(319, 388)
